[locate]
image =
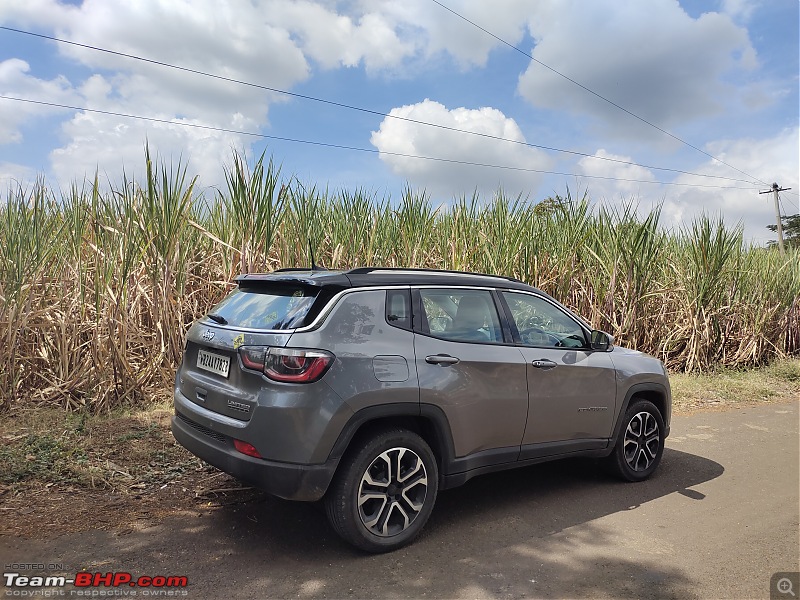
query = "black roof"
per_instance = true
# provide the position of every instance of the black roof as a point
(381, 276)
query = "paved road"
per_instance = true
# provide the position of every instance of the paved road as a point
(717, 520)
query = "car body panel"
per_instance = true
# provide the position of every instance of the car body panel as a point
(236, 395)
(576, 399)
(356, 332)
(637, 370)
(492, 409)
(286, 425)
(484, 395)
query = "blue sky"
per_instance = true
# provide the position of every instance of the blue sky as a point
(719, 74)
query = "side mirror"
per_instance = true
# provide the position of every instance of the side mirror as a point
(602, 341)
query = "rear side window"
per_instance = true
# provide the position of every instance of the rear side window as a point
(461, 315)
(267, 307)
(398, 308)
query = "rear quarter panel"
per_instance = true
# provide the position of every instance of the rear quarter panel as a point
(366, 348)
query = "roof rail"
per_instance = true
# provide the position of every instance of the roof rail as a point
(366, 270)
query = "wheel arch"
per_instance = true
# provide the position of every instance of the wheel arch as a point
(653, 392)
(426, 420)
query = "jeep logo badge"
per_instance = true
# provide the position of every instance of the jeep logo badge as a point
(208, 335)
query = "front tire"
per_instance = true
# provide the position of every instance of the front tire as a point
(384, 491)
(640, 442)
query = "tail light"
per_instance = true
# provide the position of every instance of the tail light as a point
(253, 357)
(287, 365)
(296, 366)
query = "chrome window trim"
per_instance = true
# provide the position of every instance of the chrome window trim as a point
(430, 286)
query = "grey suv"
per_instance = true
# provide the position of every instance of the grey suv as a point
(372, 389)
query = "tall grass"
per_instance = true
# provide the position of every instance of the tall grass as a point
(97, 288)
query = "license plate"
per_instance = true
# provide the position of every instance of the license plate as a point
(216, 363)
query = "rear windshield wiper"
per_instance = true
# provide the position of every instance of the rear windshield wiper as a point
(218, 319)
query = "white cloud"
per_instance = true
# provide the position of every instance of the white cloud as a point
(771, 159)
(234, 39)
(739, 9)
(442, 178)
(610, 179)
(231, 39)
(268, 42)
(774, 158)
(649, 57)
(35, 12)
(15, 81)
(437, 30)
(108, 145)
(333, 39)
(13, 175)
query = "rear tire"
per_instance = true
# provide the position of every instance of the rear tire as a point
(384, 491)
(640, 442)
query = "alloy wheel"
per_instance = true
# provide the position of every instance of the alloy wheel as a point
(392, 491)
(642, 441)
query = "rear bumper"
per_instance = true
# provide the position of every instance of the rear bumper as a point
(285, 480)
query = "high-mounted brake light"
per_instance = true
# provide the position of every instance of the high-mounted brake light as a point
(287, 365)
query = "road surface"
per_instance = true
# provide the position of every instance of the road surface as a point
(716, 521)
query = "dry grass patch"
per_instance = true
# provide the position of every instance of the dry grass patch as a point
(63, 472)
(114, 452)
(727, 388)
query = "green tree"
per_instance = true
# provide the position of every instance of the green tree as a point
(791, 231)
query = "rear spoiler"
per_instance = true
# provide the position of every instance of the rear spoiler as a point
(302, 277)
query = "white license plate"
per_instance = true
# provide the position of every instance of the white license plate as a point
(216, 363)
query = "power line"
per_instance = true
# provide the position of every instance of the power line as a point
(366, 110)
(789, 202)
(355, 148)
(611, 102)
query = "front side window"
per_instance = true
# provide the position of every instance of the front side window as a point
(542, 324)
(461, 315)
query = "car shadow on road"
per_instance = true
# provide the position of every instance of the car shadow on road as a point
(525, 532)
(580, 489)
(493, 536)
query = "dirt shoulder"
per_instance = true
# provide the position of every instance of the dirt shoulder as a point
(731, 389)
(62, 473)
(66, 473)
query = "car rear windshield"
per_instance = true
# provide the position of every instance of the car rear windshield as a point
(266, 307)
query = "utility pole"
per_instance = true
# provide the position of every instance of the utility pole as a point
(775, 189)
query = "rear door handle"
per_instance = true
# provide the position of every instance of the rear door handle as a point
(544, 363)
(443, 360)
